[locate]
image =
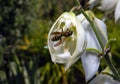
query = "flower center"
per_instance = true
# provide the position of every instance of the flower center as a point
(62, 33)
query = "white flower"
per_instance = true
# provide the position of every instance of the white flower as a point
(104, 79)
(117, 12)
(108, 6)
(90, 60)
(66, 49)
(92, 3)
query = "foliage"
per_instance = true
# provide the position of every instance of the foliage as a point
(24, 25)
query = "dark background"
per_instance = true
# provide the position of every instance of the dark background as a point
(24, 26)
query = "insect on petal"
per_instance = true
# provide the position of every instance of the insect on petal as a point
(72, 43)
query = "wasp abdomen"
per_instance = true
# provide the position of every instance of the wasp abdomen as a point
(57, 37)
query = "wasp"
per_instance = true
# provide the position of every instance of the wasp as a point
(58, 36)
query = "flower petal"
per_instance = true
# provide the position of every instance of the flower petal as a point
(117, 12)
(80, 45)
(90, 60)
(104, 79)
(90, 63)
(101, 29)
(93, 3)
(108, 5)
(73, 46)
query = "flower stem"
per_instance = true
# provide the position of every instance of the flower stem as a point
(110, 41)
(74, 8)
(113, 69)
(93, 49)
(107, 55)
(93, 27)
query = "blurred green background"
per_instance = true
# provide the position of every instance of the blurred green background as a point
(24, 26)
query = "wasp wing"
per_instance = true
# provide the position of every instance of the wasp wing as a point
(60, 42)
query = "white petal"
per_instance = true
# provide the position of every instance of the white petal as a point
(101, 29)
(117, 12)
(90, 60)
(91, 38)
(81, 18)
(93, 3)
(73, 47)
(90, 63)
(80, 45)
(104, 79)
(108, 5)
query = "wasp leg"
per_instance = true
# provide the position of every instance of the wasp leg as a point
(60, 42)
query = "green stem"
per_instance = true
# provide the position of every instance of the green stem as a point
(113, 69)
(78, 2)
(74, 8)
(107, 58)
(92, 25)
(93, 49)
(108, 43)
(107, 55)
(94, 28)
